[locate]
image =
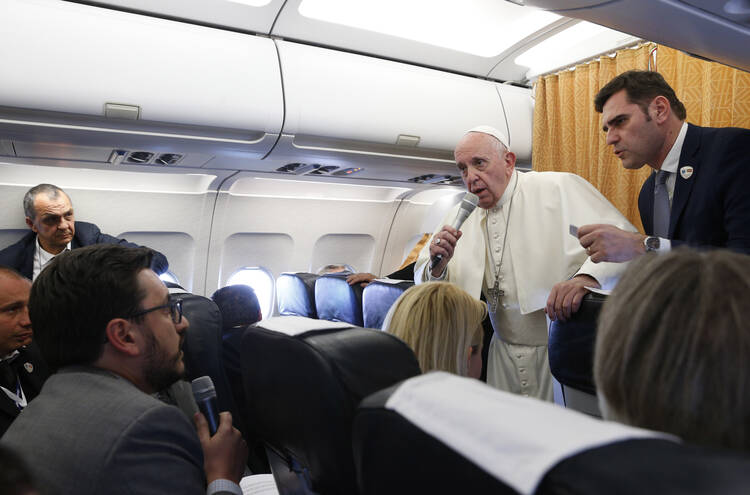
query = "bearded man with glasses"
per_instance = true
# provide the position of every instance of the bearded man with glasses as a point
(105, 322)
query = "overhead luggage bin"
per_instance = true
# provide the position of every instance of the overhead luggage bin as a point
(250, 15)
(348, 108)
(716, 30)
(77, 75)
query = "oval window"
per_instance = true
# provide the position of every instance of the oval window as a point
(262, 283)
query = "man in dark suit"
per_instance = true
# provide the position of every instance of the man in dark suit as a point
(697, 195)
(104, 321)
(22, 369)
(49, 215)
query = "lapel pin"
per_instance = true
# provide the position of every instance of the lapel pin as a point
(686, 172)
(28, 367)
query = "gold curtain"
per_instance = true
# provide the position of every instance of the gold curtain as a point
(567, 130)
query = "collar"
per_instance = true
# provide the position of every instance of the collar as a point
(507, 194)
(44, 255)
(672, 161)
(10, 357)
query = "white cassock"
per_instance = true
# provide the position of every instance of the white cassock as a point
(524, 243)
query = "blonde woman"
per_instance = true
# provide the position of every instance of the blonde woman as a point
(442, 324)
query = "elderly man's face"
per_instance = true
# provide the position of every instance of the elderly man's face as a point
(54, 222)
(15, 326)
(486, 168)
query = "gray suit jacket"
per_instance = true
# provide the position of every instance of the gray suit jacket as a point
(92, 432)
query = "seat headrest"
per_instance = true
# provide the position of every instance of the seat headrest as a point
(336, 300)
(467, 436)
(303, 379)
(295, 293)
(378, 297)
(571, 345)
(649, 465)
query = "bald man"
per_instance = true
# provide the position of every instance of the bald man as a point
(516, 248)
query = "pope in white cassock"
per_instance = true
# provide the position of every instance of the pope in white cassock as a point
(517, 249)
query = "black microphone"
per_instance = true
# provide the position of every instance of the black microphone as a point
(468, 204)
(205, 396)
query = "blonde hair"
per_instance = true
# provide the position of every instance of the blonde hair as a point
(672, 347)
(439, 321)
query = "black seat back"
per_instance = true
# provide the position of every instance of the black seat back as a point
(440, 433)
(203, 348)
(303, 379)
(295, 294)
(571, 354)
(377, 299)
(336, 300)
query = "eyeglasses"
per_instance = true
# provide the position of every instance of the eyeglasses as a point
(175, 310)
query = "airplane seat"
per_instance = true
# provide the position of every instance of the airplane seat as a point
(378, 297)
(441, 433)
(303, 379)
(336, 300)
(295, 293)
(202, 348)
(571, 355)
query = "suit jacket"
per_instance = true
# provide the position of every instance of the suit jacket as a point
(21, 254)
(711, 207)
(91, 432)
(32, 375)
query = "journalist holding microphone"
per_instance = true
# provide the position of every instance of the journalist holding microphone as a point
(105, 322)
(517, 250)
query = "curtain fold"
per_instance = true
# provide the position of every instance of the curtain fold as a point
(567, 135)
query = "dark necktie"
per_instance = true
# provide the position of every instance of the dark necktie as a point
(661, 205)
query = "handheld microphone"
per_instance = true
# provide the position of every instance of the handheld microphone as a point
(205, 396)
(468, 203)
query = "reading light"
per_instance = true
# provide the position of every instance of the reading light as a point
(570, 46)
(479, 27)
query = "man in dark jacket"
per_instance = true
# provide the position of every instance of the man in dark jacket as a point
(49, 215)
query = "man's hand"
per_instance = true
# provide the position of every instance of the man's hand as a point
(565, 297)
(608, 243)
(443, 243)
(225, 453)
(363, 279)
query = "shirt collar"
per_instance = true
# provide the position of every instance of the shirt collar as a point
(672, 161)
(46, 256)
(10, 357)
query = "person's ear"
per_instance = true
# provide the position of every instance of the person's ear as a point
(30, 224)
(510, 161)
(123, 337)
(660, 108)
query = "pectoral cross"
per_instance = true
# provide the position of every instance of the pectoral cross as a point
(494, 294)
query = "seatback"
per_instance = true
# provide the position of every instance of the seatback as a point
(336, 300)
(202, 348)
(295, 294)
(378, 297)
(441, 433)
(571, 355)
(303, 379)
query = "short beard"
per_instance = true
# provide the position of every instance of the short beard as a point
(160, 371)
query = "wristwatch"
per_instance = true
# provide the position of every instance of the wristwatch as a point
(652, 243)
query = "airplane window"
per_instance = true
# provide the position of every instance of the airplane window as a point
(262, 283)
(169, 277)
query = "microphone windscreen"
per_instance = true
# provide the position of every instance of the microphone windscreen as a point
(470, 201)
(203, 388)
